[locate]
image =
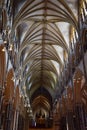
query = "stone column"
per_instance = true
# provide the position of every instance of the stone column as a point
(80, 118)
(70, 120)
(8, 116)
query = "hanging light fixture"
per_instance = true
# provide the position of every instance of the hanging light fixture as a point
(10, 47)
(4, 49)
(29, 105)
(5, 42)
(13, 79)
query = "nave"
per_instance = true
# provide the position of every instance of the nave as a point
(43, 64)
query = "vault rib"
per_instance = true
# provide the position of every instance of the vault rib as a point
(43, 40)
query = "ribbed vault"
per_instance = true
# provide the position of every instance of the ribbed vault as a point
(42, 48)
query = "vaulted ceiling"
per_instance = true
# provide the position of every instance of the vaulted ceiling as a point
(42, 29)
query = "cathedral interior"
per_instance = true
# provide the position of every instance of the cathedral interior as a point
(43, 64)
